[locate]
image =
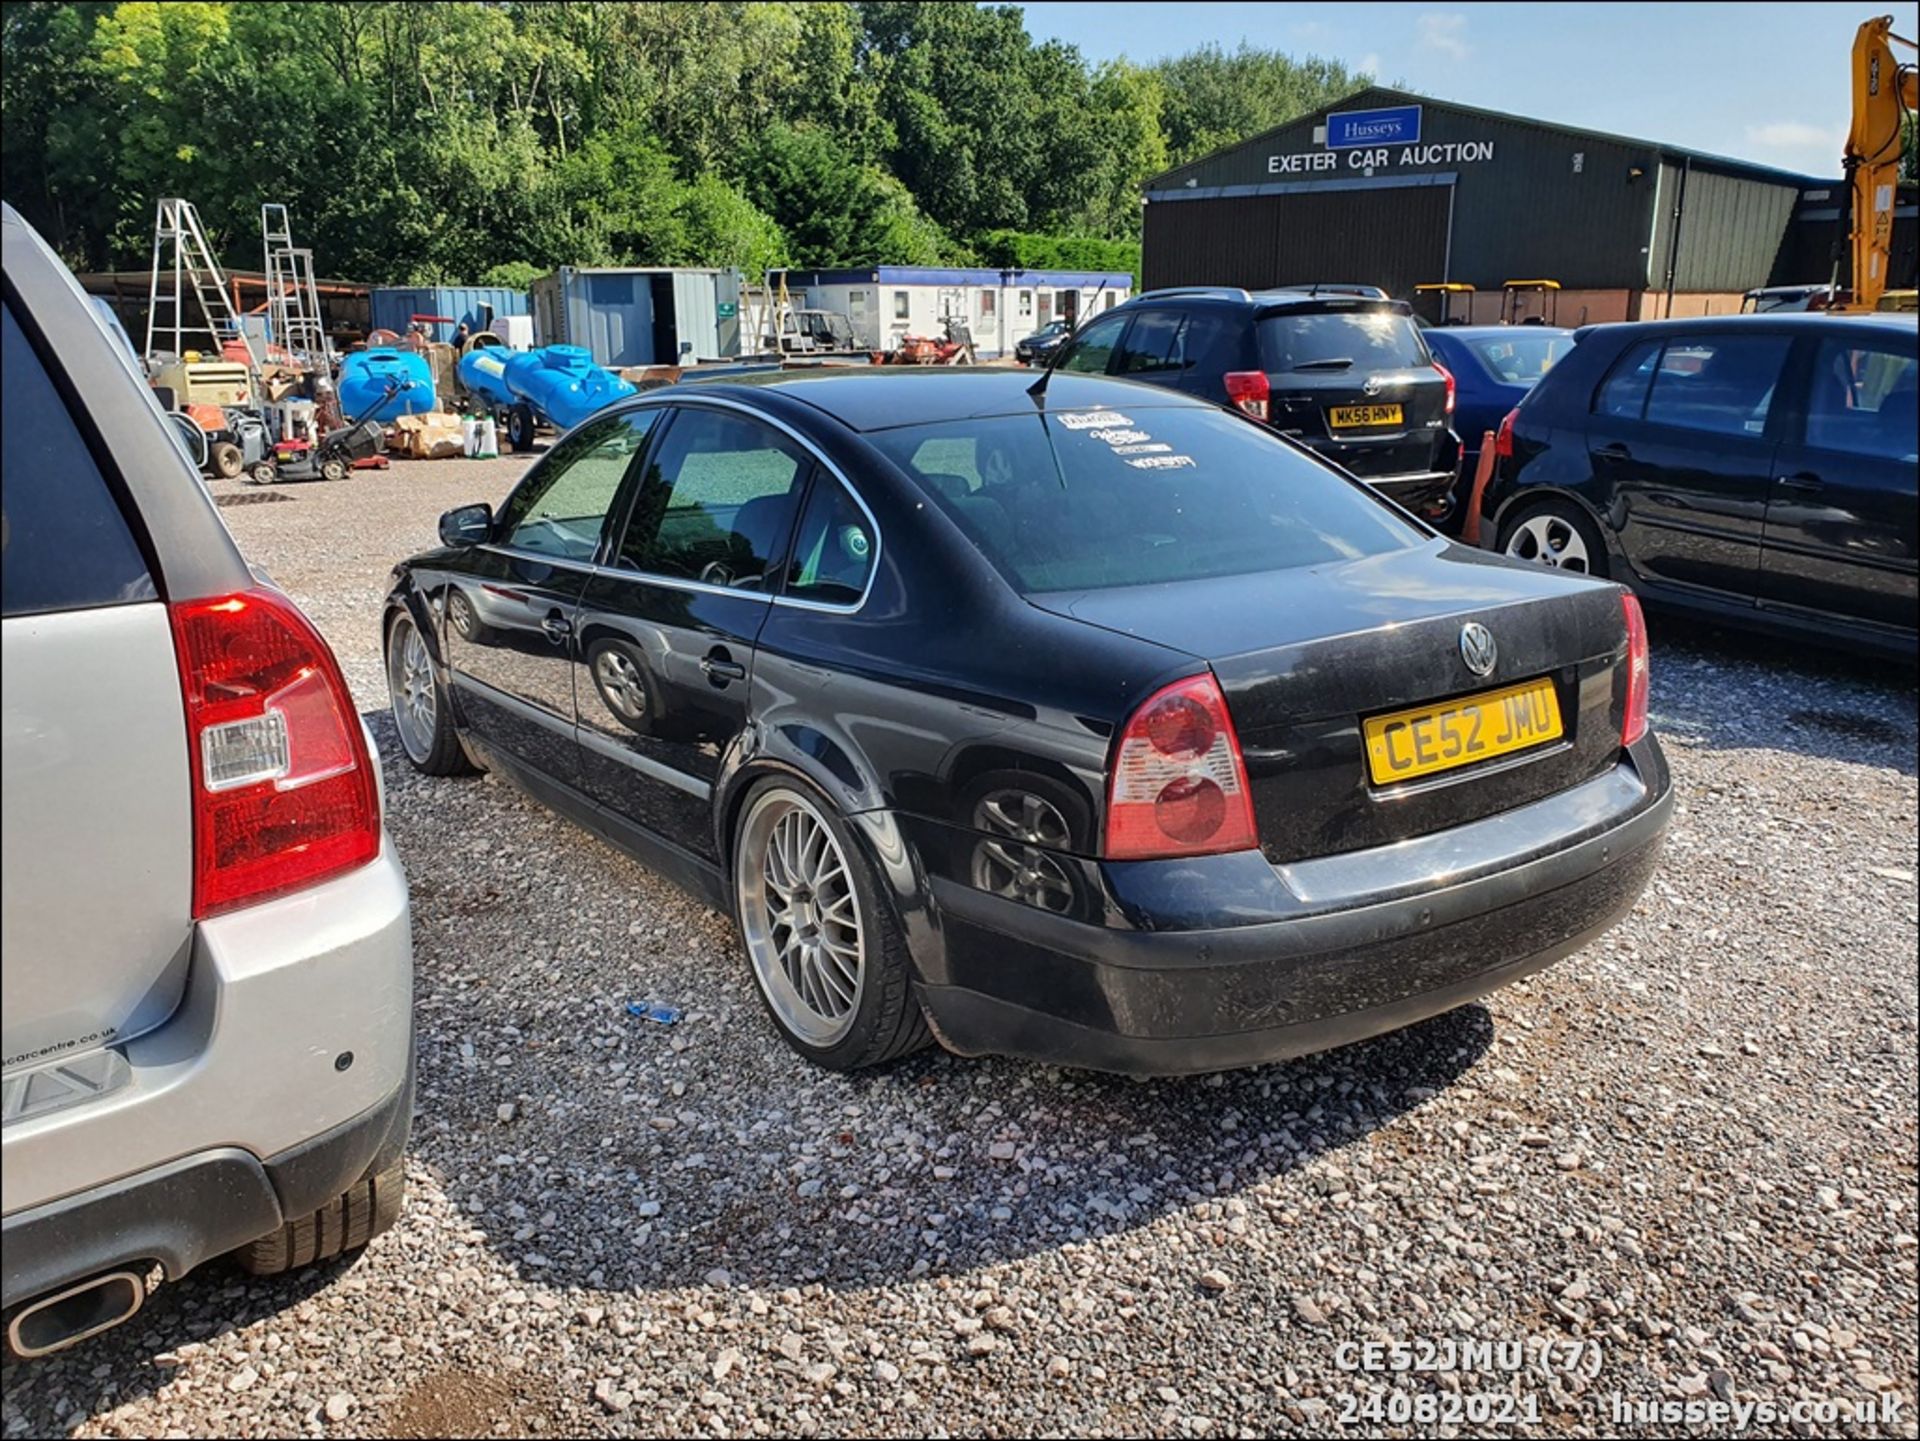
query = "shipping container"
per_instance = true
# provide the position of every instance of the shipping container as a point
(641, 315)
(479, 306)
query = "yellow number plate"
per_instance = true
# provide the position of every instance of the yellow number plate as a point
(1418, 742)
(1345, 417)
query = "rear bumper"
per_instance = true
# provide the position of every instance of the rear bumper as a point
(1348, 947)
(193, 1209)
(296, 1025)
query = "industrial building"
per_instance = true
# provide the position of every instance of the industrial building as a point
(640, 315)
(887, 303)
(1399, 190)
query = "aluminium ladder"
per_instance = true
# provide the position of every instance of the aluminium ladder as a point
(293, 298)
(184, 270)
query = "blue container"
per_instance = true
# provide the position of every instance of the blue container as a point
(384, 385)
(392, 307)
(561, 383)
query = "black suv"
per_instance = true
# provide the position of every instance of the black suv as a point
(1758, 469)
(1345, 376)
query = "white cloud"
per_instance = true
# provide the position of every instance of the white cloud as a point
(1369, 65)
(1793, 134)
(1445, 33)
(1798, 145)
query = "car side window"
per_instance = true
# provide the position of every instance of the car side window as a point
(1864, 401)
(561, 507)
(1720, 384)
(1089, 352)
(834, 548)
(1154, 345)
(1623, 395)
(716, 502)
(64, 545)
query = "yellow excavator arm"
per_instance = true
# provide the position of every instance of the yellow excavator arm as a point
(1884, 91)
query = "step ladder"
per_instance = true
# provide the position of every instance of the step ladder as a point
(293, 296)
(187, 294)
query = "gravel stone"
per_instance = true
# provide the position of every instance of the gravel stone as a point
(1733, 1065)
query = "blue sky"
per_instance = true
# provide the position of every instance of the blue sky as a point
(1764, 82)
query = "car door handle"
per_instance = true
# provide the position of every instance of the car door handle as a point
(557, 627)
(721, 669)
(1802, 480)
(1617, 450)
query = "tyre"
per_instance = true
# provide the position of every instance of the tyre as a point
(224, 459)
(827, 954)
(335, 469)
(420, 712)
(520, 427)
(1556, 533)
(264, 472)
(346, 1222)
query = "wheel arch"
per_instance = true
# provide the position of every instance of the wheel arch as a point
(1535, 497)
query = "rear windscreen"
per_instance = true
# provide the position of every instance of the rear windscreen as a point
(1341, 339)
(1520, 358)
(1087, 499)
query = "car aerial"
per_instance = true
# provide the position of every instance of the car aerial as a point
(208, 984)
(1042, 343)
(1347, 377)
(1754, 469)
(1493, 368)
(1073, 719)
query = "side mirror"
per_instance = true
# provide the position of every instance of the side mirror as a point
(469, 525)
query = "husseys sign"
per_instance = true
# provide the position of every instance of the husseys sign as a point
(1363, 140)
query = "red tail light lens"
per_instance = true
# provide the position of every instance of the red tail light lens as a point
(1452, 386)
(1639, 670)
(284, 793)
(1503, 438)
(1178, 784)
(1248, 391)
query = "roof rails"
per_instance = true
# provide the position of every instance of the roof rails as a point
(1224, 292)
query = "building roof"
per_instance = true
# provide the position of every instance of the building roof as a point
(948, 275)
(1378, 96)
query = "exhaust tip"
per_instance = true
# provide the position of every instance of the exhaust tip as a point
(69, 1317)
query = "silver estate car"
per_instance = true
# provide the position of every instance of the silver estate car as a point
(208, 966)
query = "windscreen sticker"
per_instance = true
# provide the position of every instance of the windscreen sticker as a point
(1162, 462)
(1156, 448)
(1120, 437)
(1088, 419)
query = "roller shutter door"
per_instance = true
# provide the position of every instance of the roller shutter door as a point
(1394, 238)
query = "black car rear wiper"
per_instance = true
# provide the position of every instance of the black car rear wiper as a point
(1338, 362)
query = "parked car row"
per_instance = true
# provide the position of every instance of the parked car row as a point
(1131, 717)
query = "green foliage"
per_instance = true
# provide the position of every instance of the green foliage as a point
(455, 142)
(1015, 249)
(511, 275)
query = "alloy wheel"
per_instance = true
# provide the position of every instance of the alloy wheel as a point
(410, 684)
(621, 684)
(800, 918)
(1551, 540)
(1010, 864)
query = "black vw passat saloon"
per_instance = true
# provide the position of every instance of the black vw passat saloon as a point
(1095, 725)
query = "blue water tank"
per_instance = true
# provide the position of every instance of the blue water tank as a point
(384, 385)
(560, 382)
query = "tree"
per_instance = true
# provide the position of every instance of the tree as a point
(1216, 98)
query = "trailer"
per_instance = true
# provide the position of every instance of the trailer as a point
(558, 386)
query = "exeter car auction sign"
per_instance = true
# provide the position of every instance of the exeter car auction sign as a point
(1375, 138)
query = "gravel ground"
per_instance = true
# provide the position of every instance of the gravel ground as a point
(1691, 1147)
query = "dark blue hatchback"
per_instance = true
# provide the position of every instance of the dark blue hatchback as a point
(1494, 366)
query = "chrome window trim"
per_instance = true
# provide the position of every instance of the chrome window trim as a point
(717, 402)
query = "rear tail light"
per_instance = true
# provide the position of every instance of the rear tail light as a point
(1248, 391)
(284, 793)
(1503, 438)
(1178, 785)
(1447, 375)
(1634, 724)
